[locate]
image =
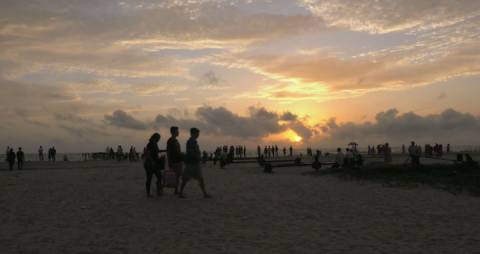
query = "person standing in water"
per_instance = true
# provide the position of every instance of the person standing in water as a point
(174, 155)
(152, 164)
(192, 163)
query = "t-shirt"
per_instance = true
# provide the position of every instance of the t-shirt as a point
(193, 155)
(173, 151)
(153, 150)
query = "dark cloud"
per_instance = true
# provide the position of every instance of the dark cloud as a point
(220, 121)
(288, 116)
(448, 126)
(121, 119)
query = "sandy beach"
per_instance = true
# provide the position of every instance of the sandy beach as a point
(100, 207)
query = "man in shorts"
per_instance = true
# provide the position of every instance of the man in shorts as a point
(193, 163)
(174, 155)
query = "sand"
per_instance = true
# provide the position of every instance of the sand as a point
(100, 207)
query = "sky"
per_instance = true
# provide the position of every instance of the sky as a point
(86, 74)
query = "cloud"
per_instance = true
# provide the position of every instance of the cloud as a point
(389, 16)
(288, 116)
(449, 126)
(121, 119)
(361, 74)
(258, 123)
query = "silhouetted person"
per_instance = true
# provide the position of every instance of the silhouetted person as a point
(284, 151)
(174, 155)
(40, 154)
(448, 148)
(244, 151)
(414, 153)
(54, 154)
(387, 153)
(11, 158)
(20, 158)
(259, 151)
(119, 153)
(152, 164)
(193, 167)
(291, 151)
(339, 159)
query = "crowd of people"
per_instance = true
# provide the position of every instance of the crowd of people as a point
(351, 158)
(273, 151)
(19, 156)
(119, 155)
(51, 154)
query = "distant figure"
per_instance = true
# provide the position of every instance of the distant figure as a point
(153, 164)
(339, 158)
(193, 167)
(11, 158)
(291, 151)
(119, 152)
(65, 157)
(244, 151)
(284, 151)
(20, 158)
(414, 153)
(112, 154)
(448, 148)
(40, 154)
(387, 153)
(54, 154)
(174, 155)
(259, 151)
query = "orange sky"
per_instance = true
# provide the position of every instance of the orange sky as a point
(232, 67)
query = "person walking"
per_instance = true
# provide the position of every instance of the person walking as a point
(153, 164)
(192, 164)
(174, 155)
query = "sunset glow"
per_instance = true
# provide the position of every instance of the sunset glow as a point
(316, 72)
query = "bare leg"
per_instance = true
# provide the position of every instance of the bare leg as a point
(148, 182)
(202, 186)
(184, 182)
(158, 174)
(177, 183)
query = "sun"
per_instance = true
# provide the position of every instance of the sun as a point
(297, 139)
(292, 136)
(289, 135)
